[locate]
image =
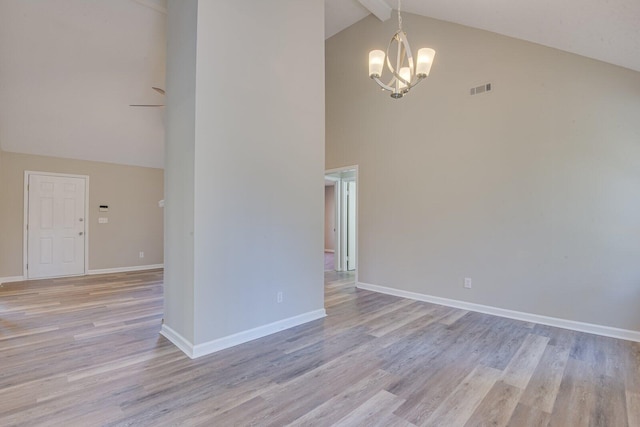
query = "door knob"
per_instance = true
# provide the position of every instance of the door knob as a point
(81, 233)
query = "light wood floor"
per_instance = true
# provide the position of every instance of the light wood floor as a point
(86, 351)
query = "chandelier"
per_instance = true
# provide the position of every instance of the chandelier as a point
(406, 74)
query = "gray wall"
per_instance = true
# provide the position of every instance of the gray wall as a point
(179, 163)
(258, 168)
(531, 190)
(132, 193)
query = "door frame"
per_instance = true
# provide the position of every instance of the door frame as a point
(338, 212)
(25, 241)
(336, 218)
(346, 215)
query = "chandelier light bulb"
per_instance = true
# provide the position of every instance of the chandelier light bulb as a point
(405, 73)
(376, 62)
(425, 60)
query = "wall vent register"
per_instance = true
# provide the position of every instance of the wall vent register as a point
(481, 89)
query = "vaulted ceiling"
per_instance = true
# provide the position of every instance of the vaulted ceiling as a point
(70, 68)
(607, 30)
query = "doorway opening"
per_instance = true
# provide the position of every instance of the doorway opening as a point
(341, 219)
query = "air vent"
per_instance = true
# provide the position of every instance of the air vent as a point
(480, 89)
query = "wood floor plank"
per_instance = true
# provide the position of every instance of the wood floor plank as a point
(342, 404)
(526, 416)
(542, 390)
(87, 351)
(457, 351)
(460, 405)
(372, 312)
(405, 317)
(453, 317)
(575, 401)
(497, 406)
(374, 412)
(633, 408)
(610, 405)
(425, 391)
(630, 356)
(525, 361)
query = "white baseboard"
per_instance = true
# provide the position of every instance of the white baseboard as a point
(607, 331)
(178, 340)
(255, 333)
(194, 351)
(11, 279)
(91, 272)
(330, 250)
(125, 269)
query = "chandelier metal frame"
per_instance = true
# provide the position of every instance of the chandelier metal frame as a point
(403, 78)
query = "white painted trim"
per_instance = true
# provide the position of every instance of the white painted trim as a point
(125, 269)
(341, 169)
(194, 351)
(25, 210)
(25, 221)
(590, 328)
(178, 340)
(337, 218)
(11, 279)
(338, 207)
(90, 272)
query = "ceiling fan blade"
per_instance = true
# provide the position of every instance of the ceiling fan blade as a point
(160, 91)
(146, 105)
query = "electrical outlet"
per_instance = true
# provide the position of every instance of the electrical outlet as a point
(279, 297)
(141, 254)
(467, 282)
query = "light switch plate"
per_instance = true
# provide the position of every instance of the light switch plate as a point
(103, 220)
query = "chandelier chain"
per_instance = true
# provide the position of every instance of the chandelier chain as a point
(399, 16)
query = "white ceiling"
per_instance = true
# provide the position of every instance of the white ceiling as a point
(70, 68)
(607, 30)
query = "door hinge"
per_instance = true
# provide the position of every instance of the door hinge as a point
(27, 227)
(27, 266)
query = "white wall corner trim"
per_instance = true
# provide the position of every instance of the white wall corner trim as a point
(573, 325)
(11, 279)
(178, 340)
(125, 269)
(252, 334)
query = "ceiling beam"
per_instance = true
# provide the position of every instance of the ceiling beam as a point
(379, 8)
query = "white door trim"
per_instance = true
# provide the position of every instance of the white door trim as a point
(25, 233)
(336, 219)
(357, 180)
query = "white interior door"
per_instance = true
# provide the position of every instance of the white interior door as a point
(56, 226)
